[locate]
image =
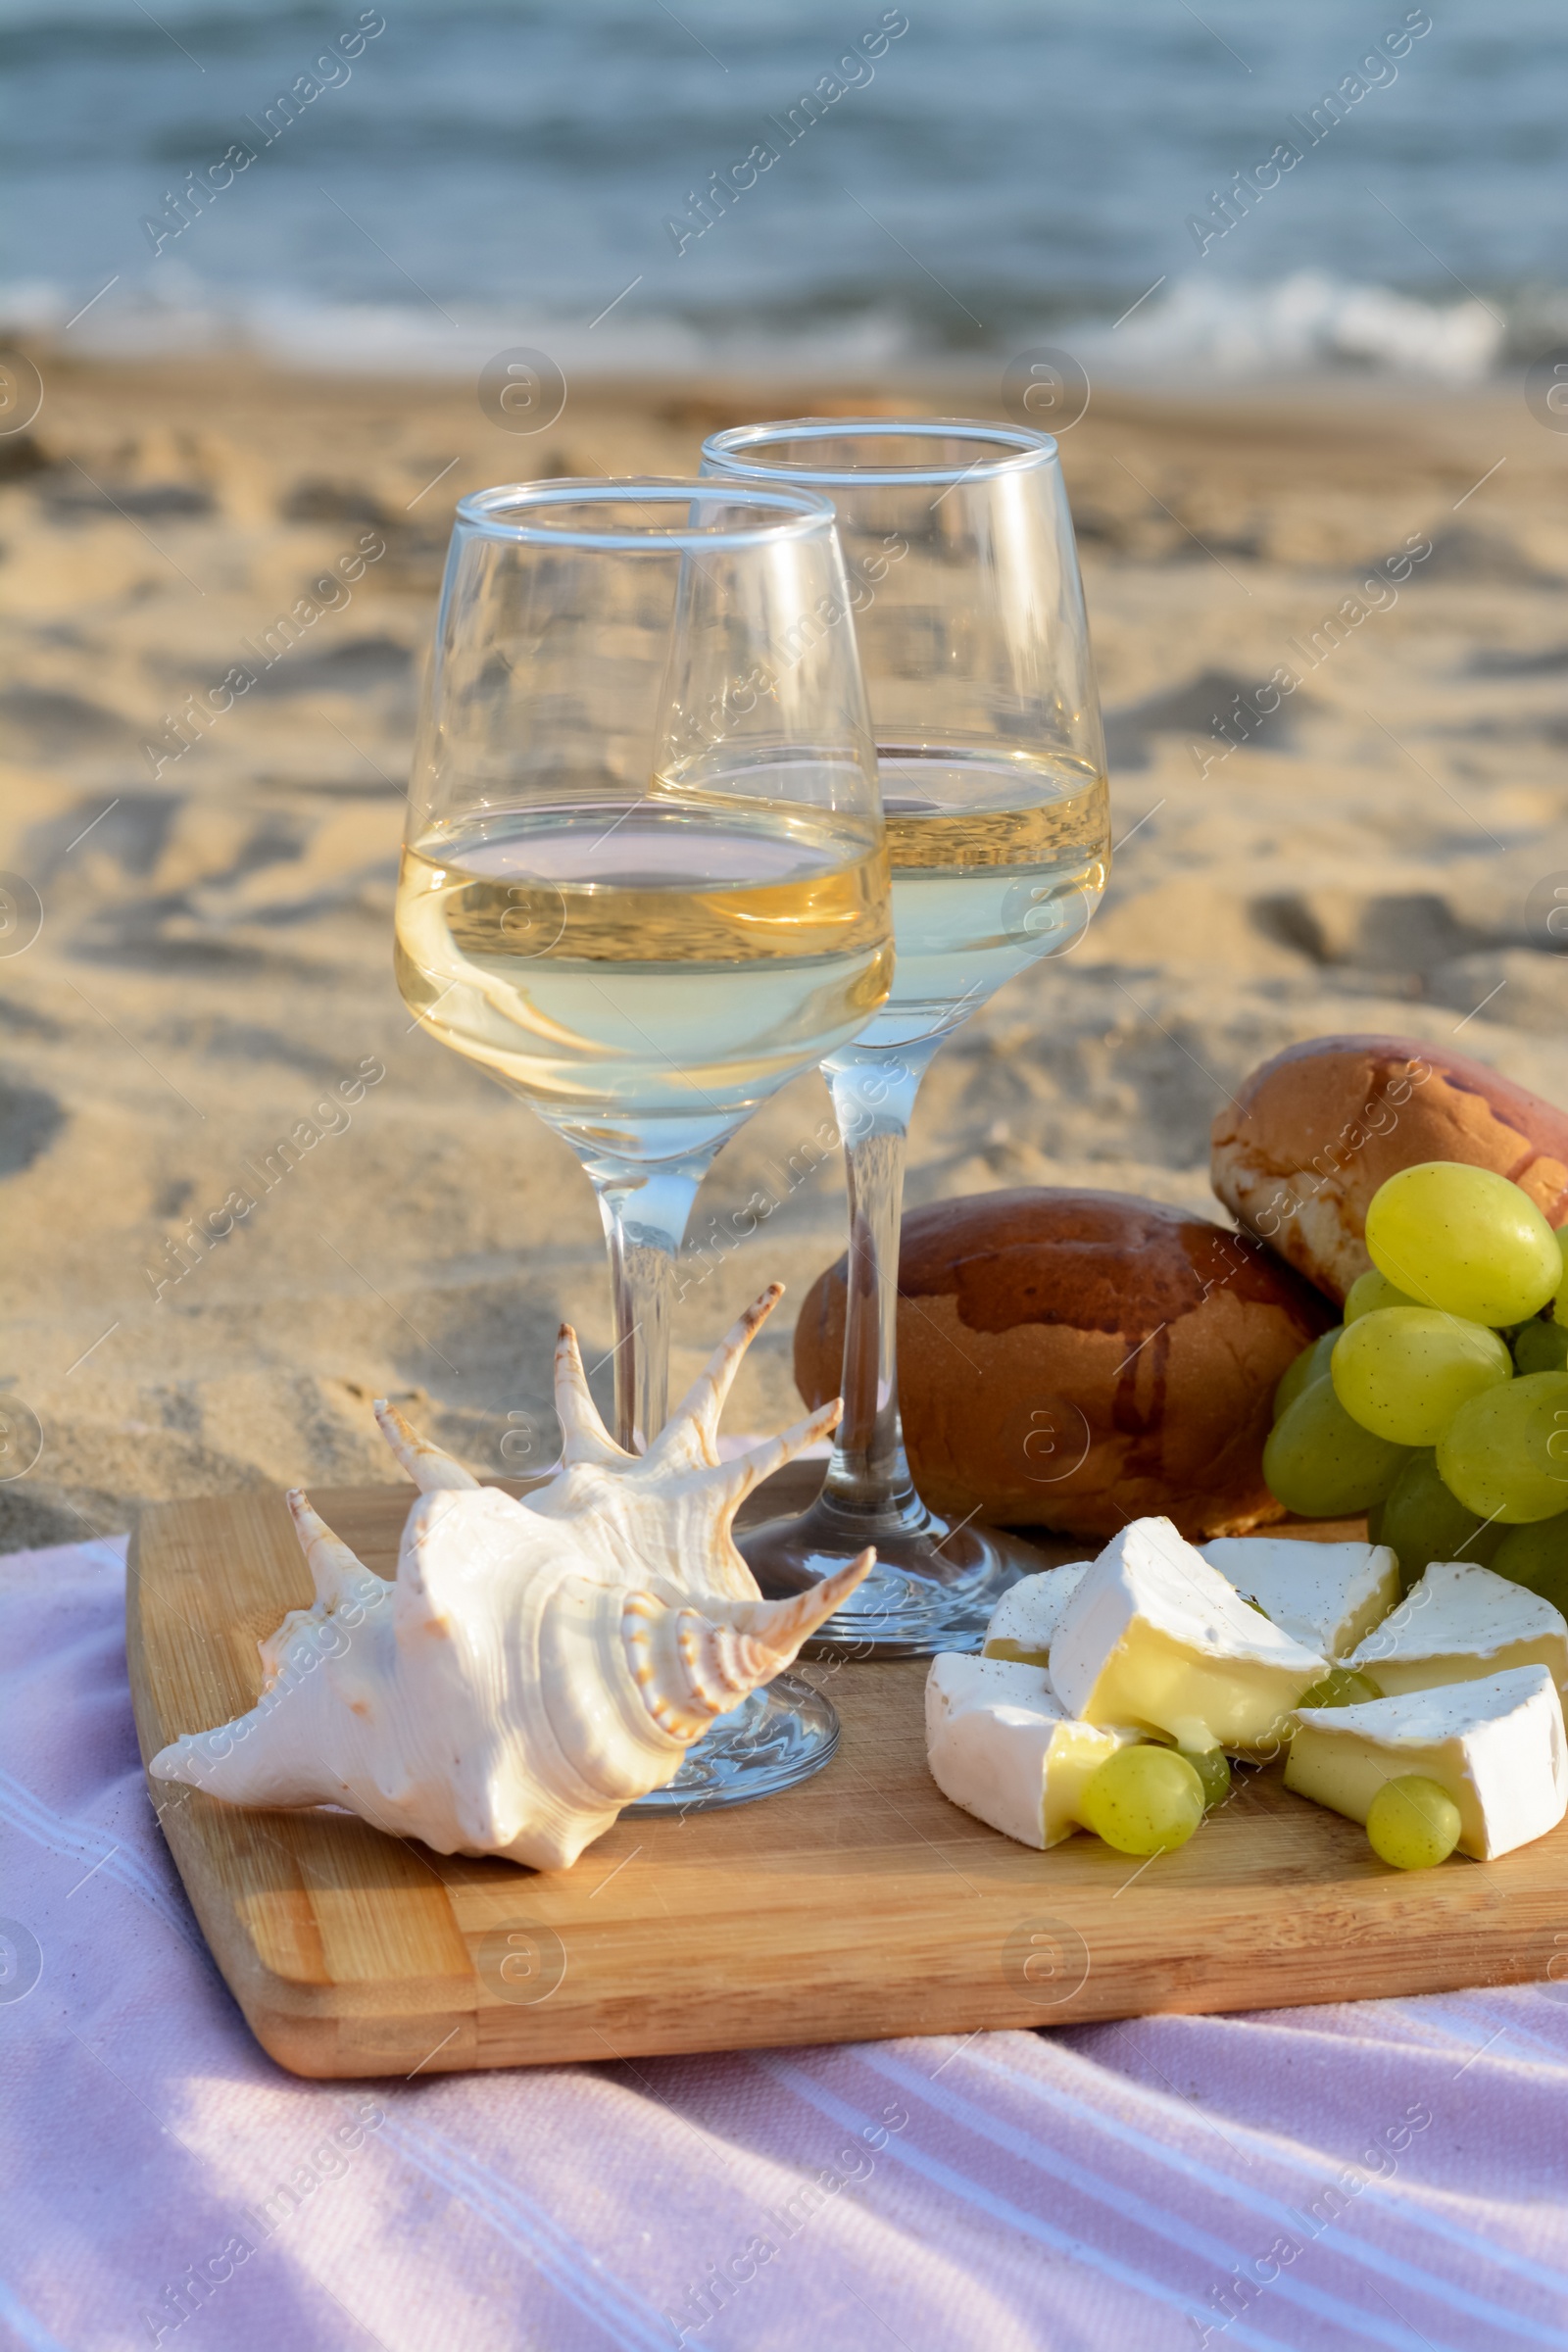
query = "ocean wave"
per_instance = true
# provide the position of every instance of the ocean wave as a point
(393, 340)
(1195, 330)
(1308, 322)
(1008, 176)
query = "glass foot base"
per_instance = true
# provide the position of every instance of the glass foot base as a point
(775, 1739)
(932, 1588)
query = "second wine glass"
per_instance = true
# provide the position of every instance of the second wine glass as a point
(969, 612)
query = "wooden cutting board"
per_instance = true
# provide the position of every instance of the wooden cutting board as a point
(858, 1906)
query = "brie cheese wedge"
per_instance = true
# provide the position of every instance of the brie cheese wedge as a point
(1025, 1618)
(1328, 1596)
(1459, 1623)
(1000, 1744)
(1156, 1638)
(1496, 1745)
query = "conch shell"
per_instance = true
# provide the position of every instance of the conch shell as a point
(533, 1666)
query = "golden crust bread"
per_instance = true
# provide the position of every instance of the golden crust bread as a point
(1310, 1136)
(1076, 1360)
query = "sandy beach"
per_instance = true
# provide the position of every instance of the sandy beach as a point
(212, 979)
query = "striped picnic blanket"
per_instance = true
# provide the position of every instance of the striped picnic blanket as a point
(1388, 2174)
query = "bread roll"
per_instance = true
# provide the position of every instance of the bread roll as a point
(1075, 1360)
(1309, 1139)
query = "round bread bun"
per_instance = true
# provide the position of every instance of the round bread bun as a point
(1074, 1359)
(1310, 1136)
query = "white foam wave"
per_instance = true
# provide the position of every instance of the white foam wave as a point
(1308, 322)
(1200, 329)
(437, 341)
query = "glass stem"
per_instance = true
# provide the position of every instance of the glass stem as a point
(873, 1096)
(645, 1211)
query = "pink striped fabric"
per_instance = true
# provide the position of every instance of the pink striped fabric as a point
(1388, 2175)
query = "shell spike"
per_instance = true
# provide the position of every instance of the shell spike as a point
(692, 1663)
(740, 1477)
(333, 1567)
(692, 1432)
(429, 1468)
(583, 1434)
(778, 1628)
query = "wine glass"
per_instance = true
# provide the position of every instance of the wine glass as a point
(969, 612)
(644, 880)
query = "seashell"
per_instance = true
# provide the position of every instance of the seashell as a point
(533, 1666)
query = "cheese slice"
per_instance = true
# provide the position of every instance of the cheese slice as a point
(1027, 1615)
(1000, 1744)
(1156, 1638)
(1328, 1596)
(1496, 1745)
(1459, 1623)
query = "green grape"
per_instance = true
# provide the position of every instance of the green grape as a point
(1422, 1522)
(1464, 1240)
(1143, 1800)
(1537, 1556)
(1559, 1297)
(1311, 1364)
(1374, 1521)
(1412, 1823)
(1213, 1768)
(1370, 1291)
(1341, 1686)
(1404, 1371)
(1540, 1347)
(1324, 1465)
(1506, 1453)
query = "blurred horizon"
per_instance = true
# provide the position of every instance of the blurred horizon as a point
(506, 171)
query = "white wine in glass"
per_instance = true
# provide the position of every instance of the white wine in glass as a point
(644, 879)
(557, 945)
(969, 613)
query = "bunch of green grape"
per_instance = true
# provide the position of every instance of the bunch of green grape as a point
(1440, 1406)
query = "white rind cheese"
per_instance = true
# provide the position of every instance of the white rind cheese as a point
(1000, 1744)
(1156, 1638)
(1496, 1745)
(1024, 1621)
(1328, 1596)
(1462, 1622)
